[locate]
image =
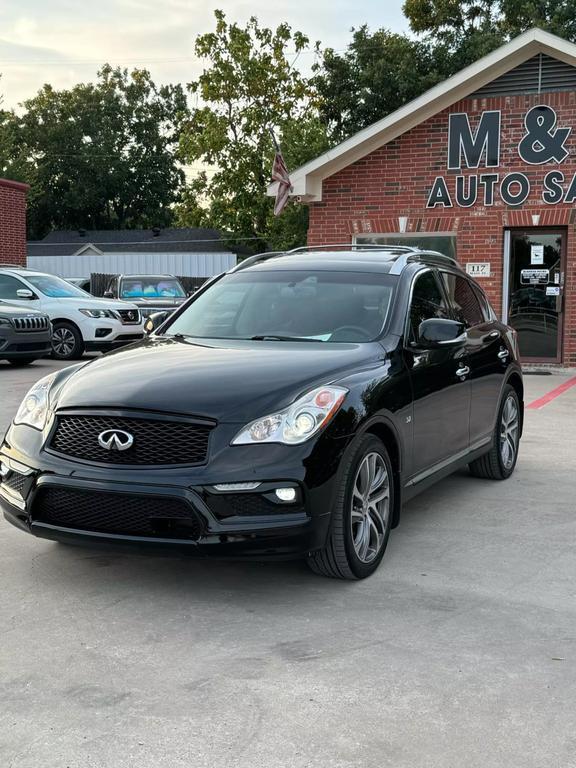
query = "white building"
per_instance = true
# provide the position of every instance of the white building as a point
(183, 252)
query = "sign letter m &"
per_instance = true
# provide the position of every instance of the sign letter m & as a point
(466, 150)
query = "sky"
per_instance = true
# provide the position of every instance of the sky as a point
(63, 42)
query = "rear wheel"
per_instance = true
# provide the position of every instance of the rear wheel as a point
(67, 343)
(499, 463)
(362, 515)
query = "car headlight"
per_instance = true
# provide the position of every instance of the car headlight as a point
(297, 423)
(98, 313)
(34, 408)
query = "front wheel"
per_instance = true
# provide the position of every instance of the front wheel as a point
(500, 461)
(67, 343)
(362, 514)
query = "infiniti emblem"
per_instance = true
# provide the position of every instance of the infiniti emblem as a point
(115, 440)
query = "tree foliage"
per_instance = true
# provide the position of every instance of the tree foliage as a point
(466, 30)
(249, 86)
(380, 70)
(377, 73)
(101, 155)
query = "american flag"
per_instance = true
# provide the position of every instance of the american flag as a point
(280, 174)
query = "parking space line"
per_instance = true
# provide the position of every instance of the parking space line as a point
(552, 395)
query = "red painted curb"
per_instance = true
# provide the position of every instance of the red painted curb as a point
(552, 395)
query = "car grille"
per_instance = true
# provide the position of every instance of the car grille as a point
(23, 324)
(129, 316)
(16, 482)
(156, 442)
(247, 505)
(120, 513)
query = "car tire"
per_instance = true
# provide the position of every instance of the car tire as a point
(359, 531)
(18, 362)
(67, 342)
(499, 463)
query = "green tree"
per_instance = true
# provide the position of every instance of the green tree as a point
(467, 30)
(102, 154)
(249, 86)
(379, 72)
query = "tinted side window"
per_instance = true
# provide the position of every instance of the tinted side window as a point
(8, 287)
(427, 302)
(487, 311)
(463, 299)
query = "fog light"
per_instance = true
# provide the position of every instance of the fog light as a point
(286, 494)
(236, 486)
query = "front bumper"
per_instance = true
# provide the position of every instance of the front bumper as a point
(106, 345)
(247, 523)
(15, 344)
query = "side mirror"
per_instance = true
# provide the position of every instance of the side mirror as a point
(25, 293)
(154, 321)
(437, 332)
(108, 295)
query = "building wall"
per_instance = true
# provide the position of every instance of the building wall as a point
(12, 222)
(184, 264)
(370, 195)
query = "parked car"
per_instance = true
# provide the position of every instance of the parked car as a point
(25, 334)
(151, 293)
(80, 282)
(336, 385)
(80, 322)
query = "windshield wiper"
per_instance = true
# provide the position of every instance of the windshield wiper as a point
(274, 337)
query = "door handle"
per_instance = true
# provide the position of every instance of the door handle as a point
(463, 371)
(503, 354)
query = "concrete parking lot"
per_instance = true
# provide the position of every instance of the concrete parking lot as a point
(460, 651)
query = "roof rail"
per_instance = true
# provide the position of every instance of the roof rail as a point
(436, 256)
(355, 247)
(393, 249)
(15, 266)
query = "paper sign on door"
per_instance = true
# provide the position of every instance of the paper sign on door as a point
(536, 254)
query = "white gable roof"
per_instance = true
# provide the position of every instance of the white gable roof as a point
(307, 180)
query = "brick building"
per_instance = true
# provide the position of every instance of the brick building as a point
(12, 222)
(482, 167)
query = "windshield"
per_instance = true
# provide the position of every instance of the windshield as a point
(151, 288)
(55, 287)
(290, 305)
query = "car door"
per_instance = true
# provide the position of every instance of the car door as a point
(9, 287)
(487, 353)
(440, 387)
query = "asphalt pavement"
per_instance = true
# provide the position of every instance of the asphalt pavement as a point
(459, 652)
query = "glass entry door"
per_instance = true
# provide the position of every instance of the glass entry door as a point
(536, 287)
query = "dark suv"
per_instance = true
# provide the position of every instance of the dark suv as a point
(151, 293)
(25, 334)
(287, 409)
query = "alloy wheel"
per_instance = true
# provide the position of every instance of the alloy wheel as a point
(370, 507)
(63, 342)
(509, 428)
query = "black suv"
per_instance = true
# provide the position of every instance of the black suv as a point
(287, 409)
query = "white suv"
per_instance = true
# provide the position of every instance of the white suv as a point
(80, 322)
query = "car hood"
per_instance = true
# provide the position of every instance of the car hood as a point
(232, 381)
(95, 303)
(13, 310)
(164, 302)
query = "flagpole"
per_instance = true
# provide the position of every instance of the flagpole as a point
(276, 145)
